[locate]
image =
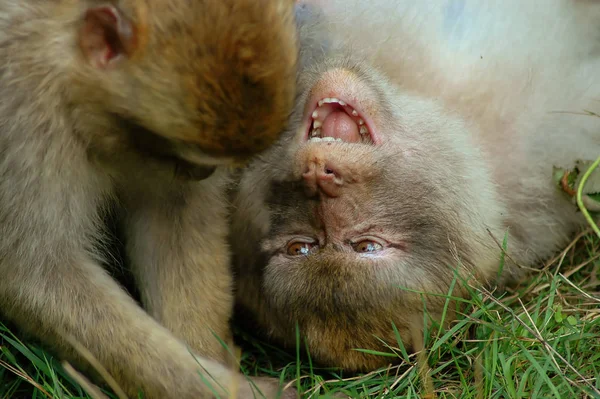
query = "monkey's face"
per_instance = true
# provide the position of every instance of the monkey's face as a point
(234, 64)
(360, 222)
(206, 82)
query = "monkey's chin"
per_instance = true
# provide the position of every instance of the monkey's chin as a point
(335, 113)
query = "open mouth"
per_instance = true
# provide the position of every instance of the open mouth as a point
(334, 119)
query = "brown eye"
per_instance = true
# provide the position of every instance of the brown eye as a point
(298, 248)
(367, 246)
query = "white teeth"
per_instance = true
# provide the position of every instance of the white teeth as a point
(317, 124)
(315, 136)
(325, 139)
(331, 100)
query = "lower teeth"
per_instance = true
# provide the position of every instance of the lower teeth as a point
(327, 139)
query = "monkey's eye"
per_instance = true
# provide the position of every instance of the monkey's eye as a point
(366, 246)
(298, 248)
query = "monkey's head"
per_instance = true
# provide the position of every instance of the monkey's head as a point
(365, 205)
(208, 82)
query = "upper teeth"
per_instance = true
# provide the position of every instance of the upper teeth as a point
(323, 110)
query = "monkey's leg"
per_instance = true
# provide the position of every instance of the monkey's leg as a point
(176, 241)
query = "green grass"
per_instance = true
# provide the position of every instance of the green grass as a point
(540, 340)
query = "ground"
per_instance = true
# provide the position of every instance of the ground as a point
(539, 340)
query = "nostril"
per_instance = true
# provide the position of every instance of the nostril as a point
(328, 169)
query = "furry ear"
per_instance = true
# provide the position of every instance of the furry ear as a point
(106, 36)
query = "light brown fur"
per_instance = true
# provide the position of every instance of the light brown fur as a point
(125, 104)
(463, 97)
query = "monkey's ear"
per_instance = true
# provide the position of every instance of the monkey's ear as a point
(106, 36)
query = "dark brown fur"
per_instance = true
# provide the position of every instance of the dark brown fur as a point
(125, 104)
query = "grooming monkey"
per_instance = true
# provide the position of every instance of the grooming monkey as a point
(138, 105)
(424, 131)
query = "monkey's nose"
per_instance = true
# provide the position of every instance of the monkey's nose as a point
(322, 177)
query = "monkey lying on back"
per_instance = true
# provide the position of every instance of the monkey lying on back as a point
(138, 103)
(422, 130)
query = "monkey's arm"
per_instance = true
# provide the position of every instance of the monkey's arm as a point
(51, 284)
(181, 260)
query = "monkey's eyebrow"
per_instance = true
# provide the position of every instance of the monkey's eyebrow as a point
(276, 239)
(364, 229)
